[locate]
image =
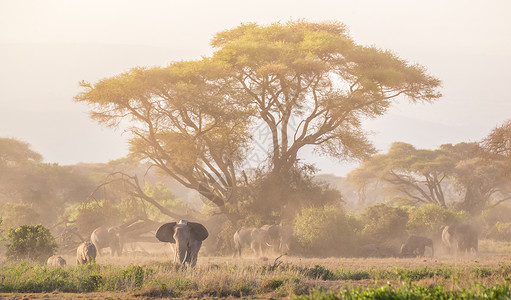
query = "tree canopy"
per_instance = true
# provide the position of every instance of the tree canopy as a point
(195, 119)
(476, 179)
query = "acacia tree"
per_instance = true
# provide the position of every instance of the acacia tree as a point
(315, 73)
(183, 119)
(194, 119)
(419, 175)
(416, 173)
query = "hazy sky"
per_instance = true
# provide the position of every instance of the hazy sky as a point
(46, 47)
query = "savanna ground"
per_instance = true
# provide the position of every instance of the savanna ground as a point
(151, 275)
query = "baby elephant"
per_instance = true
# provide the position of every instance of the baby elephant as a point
(56, 261)
(416, 245)
(85, 253)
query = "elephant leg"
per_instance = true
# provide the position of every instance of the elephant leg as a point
(422, 249)
(253, 246)
(194, 252)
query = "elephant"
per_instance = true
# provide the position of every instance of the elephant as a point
(416, 245)
(270, 237)
(85, 253)
(255, 238)
(111, 238)
(286, 235)
(461, 237)
(187, 236)
(56, 261)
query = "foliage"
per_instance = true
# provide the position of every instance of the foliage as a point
(383, 223)
(195, 120)
(427, 219)
(92, 215)
(501, 213)
(132, 207)
(477, 179)
(25, 179)
(30, 242)
(363, 280)
(17, 214)
(416, 174)
(271, 198)
(501, 232)
(324, 230)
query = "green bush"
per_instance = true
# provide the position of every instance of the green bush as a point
(382, 223)
(324, 231)
(95, 214)
(17, 214)
(33, 242)
(427, 219)
(501, 232)
(499, 213)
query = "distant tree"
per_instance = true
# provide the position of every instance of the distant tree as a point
(415, 173)
(194, 120)
(499, 140)
(383, 223)
(420, 175)
(30, 242)
(427, 219)
(26, 180)
(17, 214)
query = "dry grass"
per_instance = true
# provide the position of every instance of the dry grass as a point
(152, 275)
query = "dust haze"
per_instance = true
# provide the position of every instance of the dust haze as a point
(314, 143)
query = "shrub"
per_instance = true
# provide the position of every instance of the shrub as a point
(94, 215)
(499, 213)
(17, 214)
(501, 231)
(383, 223)
(324, 230)
(427, 219)
(30, 242)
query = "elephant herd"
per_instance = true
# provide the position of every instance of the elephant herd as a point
(186, 239)
(267, 238)
(457, 239)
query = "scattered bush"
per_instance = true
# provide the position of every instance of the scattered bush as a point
(33, 242)
(94, 215)
(382, 223)
(427, 219)
(17, 214)
(501, 232)
(325, 231)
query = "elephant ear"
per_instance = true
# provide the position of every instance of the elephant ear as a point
(166, 233)
(198, 231)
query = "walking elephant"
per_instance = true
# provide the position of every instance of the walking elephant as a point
(285, 237)
(270, 238)
(460, 238)
(416, 246)
(187, 236)
(56, 261)
(85, 253)
(111, 238)
(254, 238)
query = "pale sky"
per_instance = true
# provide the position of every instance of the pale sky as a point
(47, 47)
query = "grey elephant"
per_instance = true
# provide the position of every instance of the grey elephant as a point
(270, 238)
(460, 238)
(56, 261)
(255, 238)
(111, 238)
(285, 237)
(187, 237)
(416, 246)
(85, 253)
